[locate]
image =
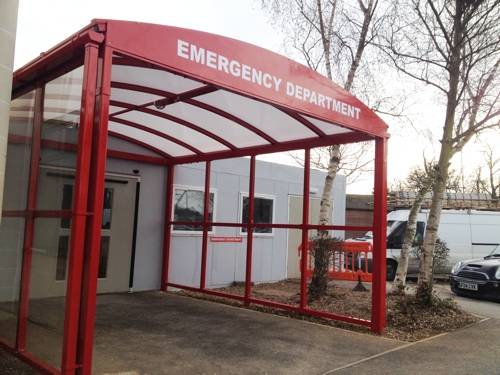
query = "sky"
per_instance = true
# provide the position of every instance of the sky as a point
(42, 24)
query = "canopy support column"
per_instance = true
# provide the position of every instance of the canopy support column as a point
(379, 237)
(250, 227)
(167, 230)
(204, 245)
(305, 231)
(94, 222)
(80, 213)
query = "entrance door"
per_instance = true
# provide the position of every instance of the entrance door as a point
(51, 255)
(295, 236)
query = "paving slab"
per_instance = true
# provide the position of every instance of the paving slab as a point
(164, 333)
(156, 333)
(472, 350)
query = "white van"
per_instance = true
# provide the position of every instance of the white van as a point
(467, 233)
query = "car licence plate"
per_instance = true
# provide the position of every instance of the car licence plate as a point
(468, 286)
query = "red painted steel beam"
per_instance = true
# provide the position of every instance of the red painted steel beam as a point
(278, 305)
(167, 100)
(15, 213)
(79, 218)
(197, 103)
(114, 154)
(56, 61)
(95, 204)
(204, 246)
(280, 147)
(155, 133)
(177, 120)
(167, 227)
(29, 227)
(379, 237)
(30, 359)
(140, 143)
(206, 291)
(305, 232)
(276, 225)
(251, 214)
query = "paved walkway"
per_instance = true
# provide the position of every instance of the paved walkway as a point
(154, 333)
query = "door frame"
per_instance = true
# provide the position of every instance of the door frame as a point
(137, 179)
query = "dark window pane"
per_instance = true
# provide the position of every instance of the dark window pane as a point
(189, 207)
(67, 197)
(66, 204)
(62, 258)
(103, 261)
(107, 208)
(395, 239)
(263, 213)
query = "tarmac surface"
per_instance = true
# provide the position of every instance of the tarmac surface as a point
(154, 333)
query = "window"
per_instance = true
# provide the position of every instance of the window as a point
(263, 213)
(396, 237)
(67, 198)
(62, 258)
(189, 206)
(103, 259)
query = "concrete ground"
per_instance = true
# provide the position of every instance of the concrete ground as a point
(155, 333)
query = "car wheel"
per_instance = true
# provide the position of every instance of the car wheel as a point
(391, 267)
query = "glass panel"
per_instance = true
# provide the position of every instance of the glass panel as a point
(153, 78)
(153, 140)
(189, 207)
(327, 127)
(60, 127)
(51, 251)
(263, 213)
(221, 126)
(17, 167)
(181, 132)
(264, 116)
(66, 202)
(15, 191)
(11, 245)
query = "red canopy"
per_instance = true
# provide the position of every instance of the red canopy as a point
(192, 96)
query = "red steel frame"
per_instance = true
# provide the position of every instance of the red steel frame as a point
(88, 202)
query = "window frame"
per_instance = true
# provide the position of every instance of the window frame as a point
(244, 194)
(198, 233)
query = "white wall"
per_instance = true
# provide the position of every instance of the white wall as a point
(226, 261)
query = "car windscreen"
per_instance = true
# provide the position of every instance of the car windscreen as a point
(495, 253)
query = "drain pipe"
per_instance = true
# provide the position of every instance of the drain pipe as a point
(8, 24)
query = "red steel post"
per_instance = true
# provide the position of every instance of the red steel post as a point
(250, 227)
(79, 215)
(94, 222)
(204, 245)
(305, 232)
(379, 237)
(167, 229)
(22, 319)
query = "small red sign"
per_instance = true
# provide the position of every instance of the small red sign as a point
(226, 239)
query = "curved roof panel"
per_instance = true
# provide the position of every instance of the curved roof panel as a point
(195, 96)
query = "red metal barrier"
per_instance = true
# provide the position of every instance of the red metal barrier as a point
(350, 262)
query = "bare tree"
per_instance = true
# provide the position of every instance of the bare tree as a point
(419, 180)
(332, 36)
(491, 184)
(453, 46)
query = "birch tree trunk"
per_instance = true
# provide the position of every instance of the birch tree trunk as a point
(319, 282)
(411, 229)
